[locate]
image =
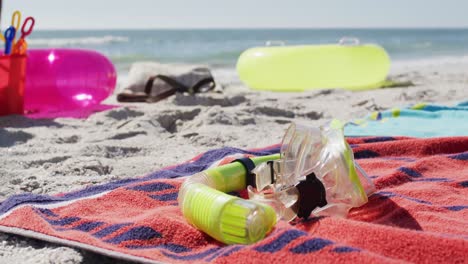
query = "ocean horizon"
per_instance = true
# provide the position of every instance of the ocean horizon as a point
(220, 48)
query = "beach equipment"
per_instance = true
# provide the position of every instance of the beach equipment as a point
(21, 45)
(418, 213)
(153, 82)
(13, 66)
(64, 79)
(314, 173)
(16, 21)
(10, 34)
(12, 82)
(347, 65)
(9, 38)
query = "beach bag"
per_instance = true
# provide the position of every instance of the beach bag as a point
(153, 82)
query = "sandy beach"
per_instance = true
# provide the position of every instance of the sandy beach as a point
(54, 156)
(108, 188)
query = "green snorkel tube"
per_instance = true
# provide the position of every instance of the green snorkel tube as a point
(315, 173)
(226, 218)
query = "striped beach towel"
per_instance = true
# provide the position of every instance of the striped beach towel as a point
(418, 214)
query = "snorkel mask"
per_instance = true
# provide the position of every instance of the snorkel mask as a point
(314, 174)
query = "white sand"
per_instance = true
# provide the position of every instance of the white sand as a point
(52, 156)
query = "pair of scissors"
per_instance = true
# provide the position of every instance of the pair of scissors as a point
(21, 45)
(9, 38)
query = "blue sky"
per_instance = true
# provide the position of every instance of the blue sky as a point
(104, 14)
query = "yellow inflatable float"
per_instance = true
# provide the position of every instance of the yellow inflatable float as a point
(347, 65)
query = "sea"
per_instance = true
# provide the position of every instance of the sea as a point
(220, 48)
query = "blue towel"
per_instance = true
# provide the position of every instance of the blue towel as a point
(420, 120)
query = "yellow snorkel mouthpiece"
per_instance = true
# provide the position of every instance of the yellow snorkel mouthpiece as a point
(226, 218)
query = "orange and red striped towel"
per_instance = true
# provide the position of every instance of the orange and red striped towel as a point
(418, 214)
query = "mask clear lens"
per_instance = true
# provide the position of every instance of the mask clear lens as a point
(323, 152)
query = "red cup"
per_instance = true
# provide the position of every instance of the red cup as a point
(12, 79)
